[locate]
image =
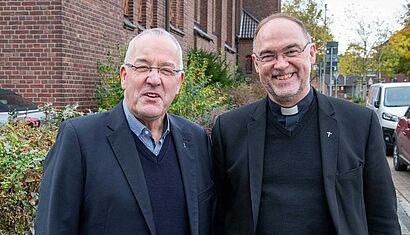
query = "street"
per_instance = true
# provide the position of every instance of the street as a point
(401, 181)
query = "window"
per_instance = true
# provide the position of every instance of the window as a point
(201, 14)
(128, 11)
(142, 12)
(177, 13)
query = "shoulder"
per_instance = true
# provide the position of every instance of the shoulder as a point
(244, 112)
(89, 121)
(184, 124)
(344, 107)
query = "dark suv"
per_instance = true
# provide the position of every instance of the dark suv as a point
(401, 151)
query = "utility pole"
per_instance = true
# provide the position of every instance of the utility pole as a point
(332, 59)
(324, 58)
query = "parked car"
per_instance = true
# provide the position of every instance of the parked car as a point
(19, 107)
(401, 152)
(389, 101)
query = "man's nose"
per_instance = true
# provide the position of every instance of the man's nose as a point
(281, 61)
(154, 76)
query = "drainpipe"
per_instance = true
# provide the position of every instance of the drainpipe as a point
(167, 15)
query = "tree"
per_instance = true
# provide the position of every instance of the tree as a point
(350, 61)
(363, 54)
(396, 53)
(311, 14)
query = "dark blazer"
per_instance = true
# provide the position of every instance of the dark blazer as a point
(93, 181)
(357, 180)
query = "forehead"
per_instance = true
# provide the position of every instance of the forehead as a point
(279, 33)
(155, 48)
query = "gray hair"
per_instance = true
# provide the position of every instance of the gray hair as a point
(278, 16)
(157, 32)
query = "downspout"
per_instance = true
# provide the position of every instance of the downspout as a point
(167, 27)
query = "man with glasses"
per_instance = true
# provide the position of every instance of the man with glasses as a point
(134, 169)
(298, 162)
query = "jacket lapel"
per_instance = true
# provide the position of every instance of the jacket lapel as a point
(122, 143)
(329, 140)
(256, 147)
(185, 151)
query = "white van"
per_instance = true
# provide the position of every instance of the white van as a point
(390, 101)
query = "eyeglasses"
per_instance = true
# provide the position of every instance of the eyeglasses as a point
(287, 54)
(165, 71)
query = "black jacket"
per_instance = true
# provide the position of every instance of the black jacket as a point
(357, 180)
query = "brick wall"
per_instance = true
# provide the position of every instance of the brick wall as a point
(261, 8)
(49, 49)
(91, 29)
(244, 54)
(31, 48)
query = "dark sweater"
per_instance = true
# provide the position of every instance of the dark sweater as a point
(293, 198)
(165, 188)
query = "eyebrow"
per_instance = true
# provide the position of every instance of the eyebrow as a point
(268, 51)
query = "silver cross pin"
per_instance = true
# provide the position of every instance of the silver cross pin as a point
(329, 134)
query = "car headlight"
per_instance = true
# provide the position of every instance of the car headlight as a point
(390, 117)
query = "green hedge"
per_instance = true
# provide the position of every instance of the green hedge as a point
(22, 151)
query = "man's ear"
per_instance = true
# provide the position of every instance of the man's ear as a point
(181, 80)
(123, 75)
(255, 62)
(312, 53)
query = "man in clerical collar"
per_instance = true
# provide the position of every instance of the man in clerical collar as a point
(298, 162)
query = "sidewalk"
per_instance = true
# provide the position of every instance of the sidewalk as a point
(403, 211)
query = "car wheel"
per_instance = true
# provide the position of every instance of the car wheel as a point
(398, 166)
(389, 150)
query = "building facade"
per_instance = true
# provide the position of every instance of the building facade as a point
(50, 49)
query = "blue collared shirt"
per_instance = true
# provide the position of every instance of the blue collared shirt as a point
(143, 133)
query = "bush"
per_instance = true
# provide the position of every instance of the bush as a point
(245, 93)
(200, 98)
(216, 68)
(22, 151)
(109, 91)
(357, 100)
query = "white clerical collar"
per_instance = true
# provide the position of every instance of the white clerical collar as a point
(289, 111)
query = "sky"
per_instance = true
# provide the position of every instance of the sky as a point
(343, 23)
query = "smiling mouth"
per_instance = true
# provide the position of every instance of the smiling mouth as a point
(152, 95)
(284, 77)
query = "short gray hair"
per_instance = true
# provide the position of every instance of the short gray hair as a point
(157, 32)
(281, 16)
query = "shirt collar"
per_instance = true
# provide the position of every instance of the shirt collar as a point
(137, 127)
(303, 105)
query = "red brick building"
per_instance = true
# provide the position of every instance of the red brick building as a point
(49, 49)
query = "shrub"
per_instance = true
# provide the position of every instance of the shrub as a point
(357, 100)
(216, 68)
(109, 91)
(22, 151)
(200, 95)
(245, 93)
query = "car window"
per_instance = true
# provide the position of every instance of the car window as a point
(377, 95)
(12, 101)
(397, 96)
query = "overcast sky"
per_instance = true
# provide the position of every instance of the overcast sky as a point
(388, 11)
